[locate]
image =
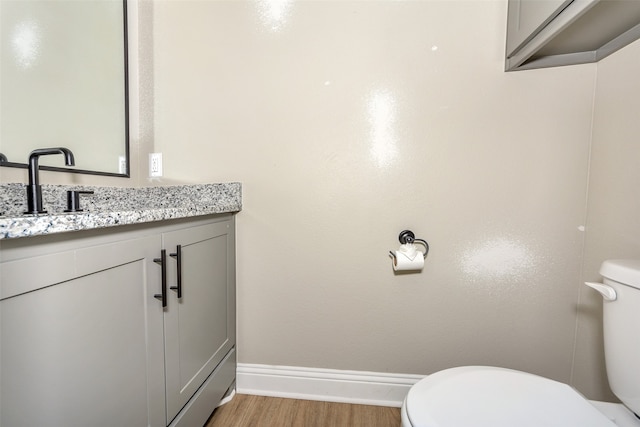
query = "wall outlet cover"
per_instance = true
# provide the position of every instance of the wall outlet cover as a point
(155, 164)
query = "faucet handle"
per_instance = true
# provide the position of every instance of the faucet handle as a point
(73, 200)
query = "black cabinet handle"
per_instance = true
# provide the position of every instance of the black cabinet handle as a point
(178, 257)
(163, 263)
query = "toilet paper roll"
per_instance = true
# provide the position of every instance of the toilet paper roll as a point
(408, 262)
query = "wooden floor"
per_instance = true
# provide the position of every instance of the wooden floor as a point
(258, 411)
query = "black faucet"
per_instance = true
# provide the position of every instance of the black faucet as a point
(34, 192)
(3, 158)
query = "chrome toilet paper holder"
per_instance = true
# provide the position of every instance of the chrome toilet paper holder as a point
(408, 237)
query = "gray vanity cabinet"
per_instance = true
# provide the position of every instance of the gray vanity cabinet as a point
(85, 341)
(81, 334)
(200, 322)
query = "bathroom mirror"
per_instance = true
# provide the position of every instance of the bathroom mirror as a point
(63, 83)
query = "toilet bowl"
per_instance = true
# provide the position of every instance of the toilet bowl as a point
(483, 396)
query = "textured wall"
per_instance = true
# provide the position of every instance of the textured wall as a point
(348, 122)
(613, 221)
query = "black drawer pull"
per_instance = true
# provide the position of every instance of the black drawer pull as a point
(163, 263)
(178, 257)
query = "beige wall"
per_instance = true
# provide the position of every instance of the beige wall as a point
(348, 122)
(613, 225)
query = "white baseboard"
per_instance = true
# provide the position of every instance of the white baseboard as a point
(330, 385)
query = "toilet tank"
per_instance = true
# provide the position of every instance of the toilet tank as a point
(621, 322)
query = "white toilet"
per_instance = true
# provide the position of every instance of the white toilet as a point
(481, 396)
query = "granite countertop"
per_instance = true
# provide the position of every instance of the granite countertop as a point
(112, 206)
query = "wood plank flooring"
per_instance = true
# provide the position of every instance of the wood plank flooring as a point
(259, 411)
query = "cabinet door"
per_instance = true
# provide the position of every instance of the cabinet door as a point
(526, 17)
(81, 340)
(199, 326)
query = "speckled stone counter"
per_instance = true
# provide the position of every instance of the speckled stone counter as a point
(112, 206)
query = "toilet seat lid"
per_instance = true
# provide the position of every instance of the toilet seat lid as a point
(496, 397)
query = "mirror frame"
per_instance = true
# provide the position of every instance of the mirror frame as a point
(127, 173)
